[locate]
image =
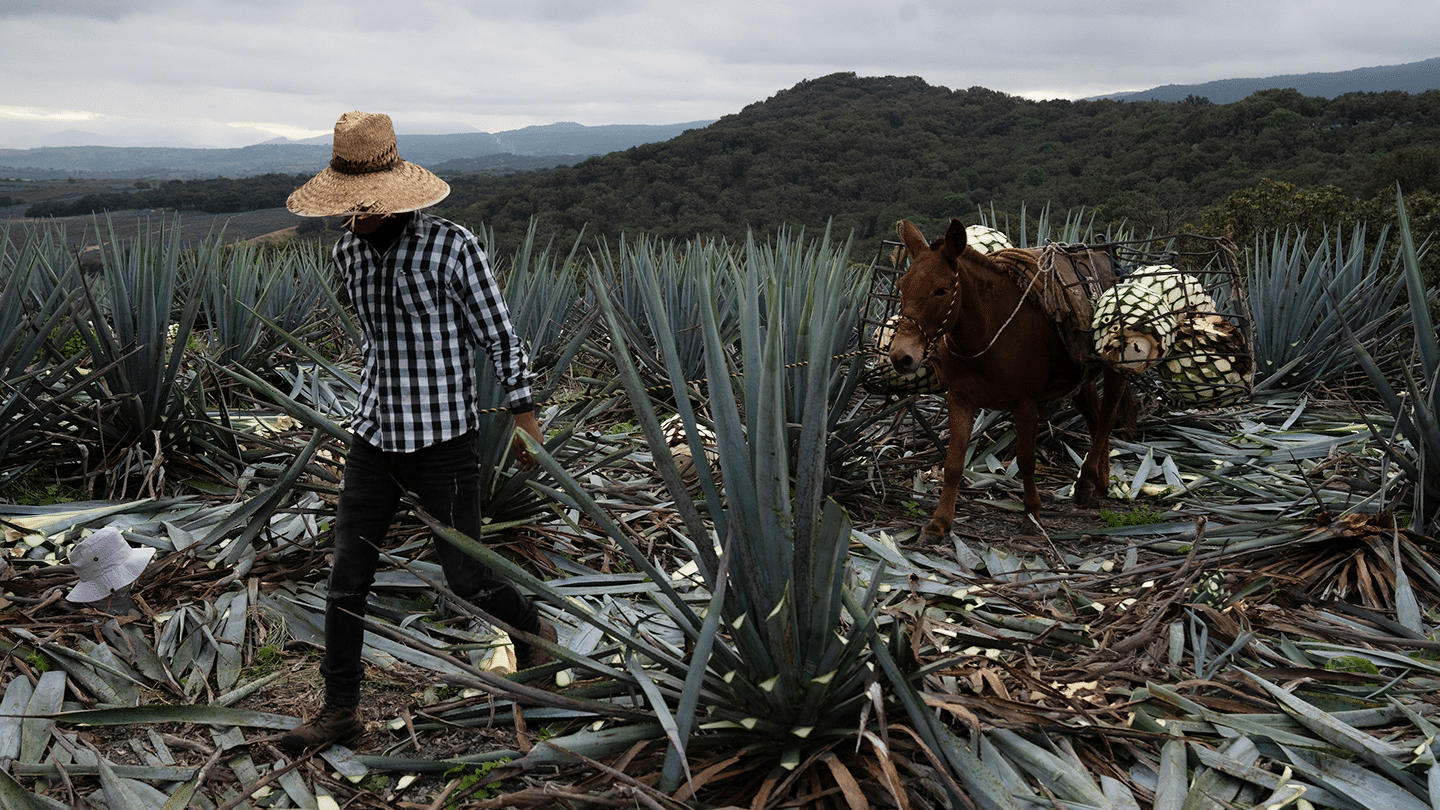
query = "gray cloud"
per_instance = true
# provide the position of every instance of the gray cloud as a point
(195, 67)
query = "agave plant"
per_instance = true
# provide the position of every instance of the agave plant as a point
(136, 339)
(246, 288)
(547, 290)
(37, 283)
(768, 653)
(1415, 441)
(631, 265)
(816, 274)
(1077, 227)
(1299, 335)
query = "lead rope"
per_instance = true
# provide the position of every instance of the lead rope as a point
(945, 338)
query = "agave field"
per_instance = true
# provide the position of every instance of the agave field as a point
(723, 527)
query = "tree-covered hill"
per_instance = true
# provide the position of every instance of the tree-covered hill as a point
(864, 152)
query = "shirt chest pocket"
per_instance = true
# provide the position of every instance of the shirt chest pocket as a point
(418, 292)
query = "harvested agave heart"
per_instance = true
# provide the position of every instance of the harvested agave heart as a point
(673, 429)
(1210, 362)
(986, 239)
(1131, 327)
(1181, 294)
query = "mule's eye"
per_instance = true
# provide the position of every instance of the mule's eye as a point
(940, 291)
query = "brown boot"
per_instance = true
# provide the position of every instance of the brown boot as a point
(535, 655)
(333, 724)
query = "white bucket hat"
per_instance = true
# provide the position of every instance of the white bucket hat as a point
(106, 564)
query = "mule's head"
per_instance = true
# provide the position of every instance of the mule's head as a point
(929, 293)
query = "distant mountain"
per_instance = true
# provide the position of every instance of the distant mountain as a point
(1412, 77)
(560, 143)
(856, 154)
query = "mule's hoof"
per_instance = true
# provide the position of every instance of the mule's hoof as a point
(1084, 497)
(1030, 527)
(932, 533)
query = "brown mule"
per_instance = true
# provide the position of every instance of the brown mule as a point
(994, 346)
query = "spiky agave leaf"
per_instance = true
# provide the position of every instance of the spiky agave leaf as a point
(1299, 335)
(37, 288)
(1415, 408)
(780, 672)
(244, 282)
(628, 271)
(129, 334)
(811, 274)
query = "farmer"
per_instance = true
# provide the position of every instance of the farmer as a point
(426, 300)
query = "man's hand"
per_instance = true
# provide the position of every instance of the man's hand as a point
(526, 422)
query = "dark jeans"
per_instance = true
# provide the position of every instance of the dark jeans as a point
(446, 479)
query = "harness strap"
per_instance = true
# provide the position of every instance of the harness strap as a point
(945, 338)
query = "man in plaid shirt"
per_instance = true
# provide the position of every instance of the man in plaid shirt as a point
(427, 303)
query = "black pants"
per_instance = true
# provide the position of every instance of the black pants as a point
(446, 478)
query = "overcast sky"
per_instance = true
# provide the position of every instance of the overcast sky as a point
(238, 72)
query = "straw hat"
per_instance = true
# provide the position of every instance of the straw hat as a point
(366, 174)
(106, 564)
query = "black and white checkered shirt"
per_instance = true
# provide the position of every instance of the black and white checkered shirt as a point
(424, 308)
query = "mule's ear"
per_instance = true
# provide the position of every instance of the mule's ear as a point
(915, 244)
(954, 239)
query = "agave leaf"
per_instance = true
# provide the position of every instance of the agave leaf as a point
(694, 680)
(231, 639)
(1142, 473)
(343, 760)
(1330, 729)
(181, 798)
(15, 797)
(1407, 606)
(1257, 776)
(1119, 794)
(127, 794)
(662, 715)
(590, 744)
(1005, 770)
(12, 711)
(134, 647)
(119, 690)
(1064, 778)
(293, 783)
(59, 518)
(1244, 724)
(44, 701)
(1173, 784)
(91, 767)
(1343, 778)
(177, 713)
(1214, 788)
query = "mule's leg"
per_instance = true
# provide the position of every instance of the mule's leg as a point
(1095, 473)
(961, 416)
(1087, 401)
(1026, 418)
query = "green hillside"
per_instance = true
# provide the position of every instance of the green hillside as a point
(864, 152)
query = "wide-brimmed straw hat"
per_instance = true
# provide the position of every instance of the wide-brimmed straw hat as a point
(366, 174)
(105, 563)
